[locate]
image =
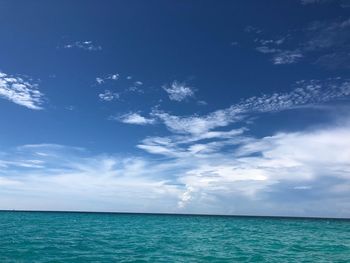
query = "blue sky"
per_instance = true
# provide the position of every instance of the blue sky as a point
(229, 107)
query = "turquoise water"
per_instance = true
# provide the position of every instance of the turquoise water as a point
(90, 237)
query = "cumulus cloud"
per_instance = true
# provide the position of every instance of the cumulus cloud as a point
(178, 91)
(85, 45)
(21, 90)
(134, 118)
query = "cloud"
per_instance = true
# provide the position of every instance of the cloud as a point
(99, 80)
(293, 173)
(304, 93)
(134, 86)
(281, 56)
(287, 57)
(71, 179)
(178, 91)
(134, 118)
(308, 2)
(198, 124)
(267, 50)
(192, 144)
(342, 3)
(102, 80)
(326, 42)
(277, 41)
(108, 95)
(252, 29)
(21, 90)
(285, 161)
(323, 35)
(208, 135)
(85, 45)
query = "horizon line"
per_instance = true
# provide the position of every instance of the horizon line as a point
(174, 214)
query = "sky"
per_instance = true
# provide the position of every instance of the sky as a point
(211, 107)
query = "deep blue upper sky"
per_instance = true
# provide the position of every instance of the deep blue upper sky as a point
(175, 106)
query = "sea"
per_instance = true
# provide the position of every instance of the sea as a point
(122, 237)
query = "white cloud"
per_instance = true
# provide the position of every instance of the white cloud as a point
(198, 124)
(86, 45)
(202, 102)
(305, 93)
(99, 80)
(134, 118)
(287, 57)
(70, 180)
(277, 41)
(267, 50)
(262, 176)
(108, 95)
(252, 29)
(102, 80)
(281, 56)
(192, 144)
(327, 42)
(178, 91)
(21, 91)
(298, 161)
(114, 76)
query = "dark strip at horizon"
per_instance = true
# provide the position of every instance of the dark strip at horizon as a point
(177, 214)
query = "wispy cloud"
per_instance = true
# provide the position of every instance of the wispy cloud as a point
(253, 29)
(68, 177)
(262, 175)
(281, 56)
(326, 42)
(199, 135)
(21, 90)
(133, 118)
(101, 80)
(287, 57)
(108, 95)
(85, 45)
(308, 2)
(305, 93)
(125, 85)
(178, 91)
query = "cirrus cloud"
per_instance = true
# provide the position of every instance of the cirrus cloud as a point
(21, 90)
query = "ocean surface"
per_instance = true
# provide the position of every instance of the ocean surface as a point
(95, 237)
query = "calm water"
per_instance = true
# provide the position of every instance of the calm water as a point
(84, 237)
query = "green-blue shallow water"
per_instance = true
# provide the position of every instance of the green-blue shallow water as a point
(93, 237)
